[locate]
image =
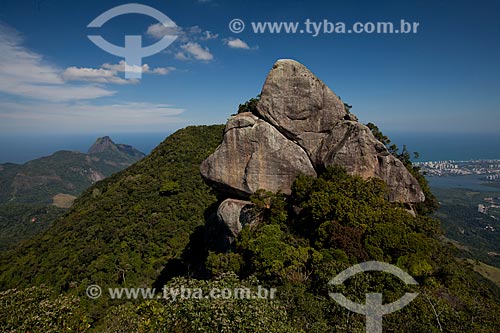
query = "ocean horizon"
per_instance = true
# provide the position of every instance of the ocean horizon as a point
(431, 147)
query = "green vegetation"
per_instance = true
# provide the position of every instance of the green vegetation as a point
(38, 309)
(490, 272)
(143, 227)
(431, 203)
(249, 106)
(122, 230)
(202, 315)
(462, 223)
(68, 172)
(20, 221)
(31, 188)
(343, 220)
(170, 187)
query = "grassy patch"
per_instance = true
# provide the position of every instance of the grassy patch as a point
(490, 272)
(62, 200)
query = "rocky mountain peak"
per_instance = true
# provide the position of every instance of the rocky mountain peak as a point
(300, 127)
(295, 101)
(102, 144)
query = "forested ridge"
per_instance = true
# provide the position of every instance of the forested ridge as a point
(144, 227)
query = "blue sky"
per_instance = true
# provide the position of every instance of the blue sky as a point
(53, 80)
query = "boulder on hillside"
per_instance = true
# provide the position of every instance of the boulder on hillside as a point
(254, 155)
(224, 226)
(353, 146)
(299, 127)
(299, 104)
(306, 111)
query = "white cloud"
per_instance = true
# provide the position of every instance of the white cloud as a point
(162, 70)
(120, 67)
(108, 73)
(159, 31)
(207, 35)
(85, 117)
(184, 35)
(181, 56)
(189, 38)
(49, 101)
(94, 75)
(25, 73)
(197, 51)
(236, 43)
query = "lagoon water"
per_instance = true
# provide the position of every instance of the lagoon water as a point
(470, 182)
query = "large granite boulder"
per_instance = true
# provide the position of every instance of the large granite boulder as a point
(235, 214)
(306, 111)
(353, 146)
(254, 155)
(300, 127)
(224, 226)
(299, 104)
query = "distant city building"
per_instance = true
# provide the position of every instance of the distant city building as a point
(490, 169)
(482, 208)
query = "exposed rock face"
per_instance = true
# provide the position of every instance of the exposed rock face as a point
(235, 214)
(299, 104)
(102, 144)
(300, 127)
(254, 155)
(106, 145)
(353, 146)
(224, 226)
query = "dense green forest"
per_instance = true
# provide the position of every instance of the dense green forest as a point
(462, 223)
(144, 227)
(36, 193)
(21, 221)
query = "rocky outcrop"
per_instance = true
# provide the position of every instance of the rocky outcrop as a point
(353, 146)
(300, 127)
(235, 214)
(102, 144)
(299, 104)
(106, 145)
(254, 155)
(224, 226)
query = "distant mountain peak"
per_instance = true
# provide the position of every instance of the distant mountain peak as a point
(112, 150)
(105, 138)
(102, 144)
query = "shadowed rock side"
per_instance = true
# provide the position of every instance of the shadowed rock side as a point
(353, 146)
(300, 127)
(225, 224)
